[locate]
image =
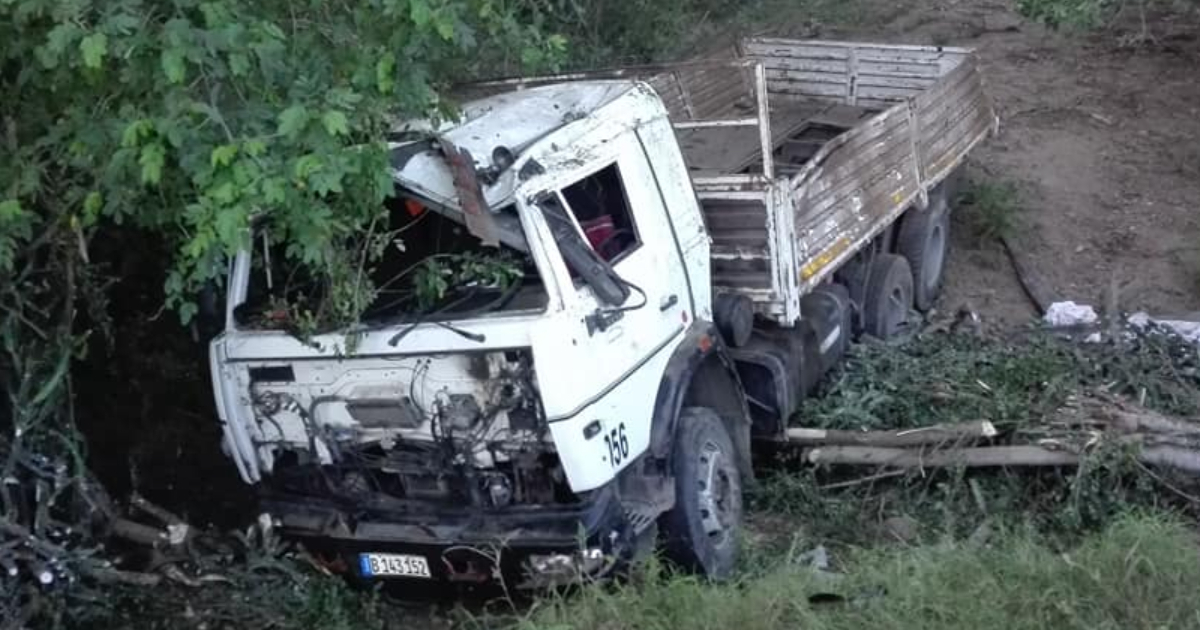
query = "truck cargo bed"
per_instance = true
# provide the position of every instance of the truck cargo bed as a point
(801, 152)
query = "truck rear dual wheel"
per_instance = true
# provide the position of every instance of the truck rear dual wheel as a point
(923, 239)
(888, 296)
(701, 532)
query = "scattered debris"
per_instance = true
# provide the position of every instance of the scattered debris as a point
(1069, 313)
(1187, 330)
(902, 529)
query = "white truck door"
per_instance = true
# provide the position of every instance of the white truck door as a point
(599, 375)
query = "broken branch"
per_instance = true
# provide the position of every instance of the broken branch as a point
(936, 434)
(980, 457)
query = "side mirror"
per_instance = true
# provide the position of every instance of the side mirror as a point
(579, 256)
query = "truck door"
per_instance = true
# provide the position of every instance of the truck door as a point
(599, 366)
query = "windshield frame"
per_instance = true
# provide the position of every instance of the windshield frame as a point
(532, 224)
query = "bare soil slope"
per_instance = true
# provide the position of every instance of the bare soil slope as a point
(1100, 135)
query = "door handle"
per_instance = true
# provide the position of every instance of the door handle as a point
(668, 302)
(602, 320)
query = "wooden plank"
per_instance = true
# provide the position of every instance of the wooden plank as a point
(820, 91)
(777, 76)
(911, 85)
(830, 44)
(730, 150)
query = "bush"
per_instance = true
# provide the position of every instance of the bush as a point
(1076, 14)
(190, 118)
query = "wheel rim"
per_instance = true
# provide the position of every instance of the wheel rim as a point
(715, 493)
(935, 256)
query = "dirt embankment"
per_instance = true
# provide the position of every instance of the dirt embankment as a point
(1100, 136)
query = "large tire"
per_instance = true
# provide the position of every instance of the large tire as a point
(888, 297)
(734, 316)
(701, 533)
(923, 239)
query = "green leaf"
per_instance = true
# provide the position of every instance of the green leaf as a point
(325, 182)
(135, 131)
(10, 210)
(385, 74)
(152, 159)
(255, 148)
(173, 65)
(306, 165)
(223, 155)
(335, 123)
(274, 190)
(445, 28)
(293, 120)
(223, 194)
(57, 41)
(91, 207)
(94, 47)
(187, 310)
(419, 12)
(230, 223)
(239, 64)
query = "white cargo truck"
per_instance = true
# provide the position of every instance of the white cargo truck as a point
(691, 247)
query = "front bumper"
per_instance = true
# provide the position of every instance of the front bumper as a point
(527, 547)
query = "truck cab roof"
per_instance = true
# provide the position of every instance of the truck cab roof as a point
(513, 121)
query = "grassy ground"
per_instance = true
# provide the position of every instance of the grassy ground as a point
(1140, 572)
(1102, 546)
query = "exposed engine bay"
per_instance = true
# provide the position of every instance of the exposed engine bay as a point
(459, 429)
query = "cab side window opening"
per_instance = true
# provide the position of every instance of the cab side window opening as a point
(601, 207)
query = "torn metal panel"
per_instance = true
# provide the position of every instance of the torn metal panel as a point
(478, 219)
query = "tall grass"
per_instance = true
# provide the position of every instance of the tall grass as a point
(1141, 572)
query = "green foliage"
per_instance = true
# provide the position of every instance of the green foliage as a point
(947, 378)
(1072, 14)
(438, 274)
(1138, 573)
(192, 117)
(1016, 384)
(990, 210)
(606, 32)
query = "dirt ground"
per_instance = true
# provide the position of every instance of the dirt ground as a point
(1100, 136)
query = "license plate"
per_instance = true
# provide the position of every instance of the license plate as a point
(393, 565)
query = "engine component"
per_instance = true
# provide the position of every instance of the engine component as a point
(461, 411)
(499, 490)
(384, 413)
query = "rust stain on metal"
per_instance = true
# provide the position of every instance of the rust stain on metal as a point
(478, 219)
(814, 266)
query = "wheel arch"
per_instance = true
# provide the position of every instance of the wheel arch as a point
(701, 373)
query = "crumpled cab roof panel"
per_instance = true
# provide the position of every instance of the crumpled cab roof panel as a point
(515, 120)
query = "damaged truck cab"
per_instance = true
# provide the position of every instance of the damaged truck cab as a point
(517, 427)
(692, 247)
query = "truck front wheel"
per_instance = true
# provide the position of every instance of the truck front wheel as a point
(702, 530)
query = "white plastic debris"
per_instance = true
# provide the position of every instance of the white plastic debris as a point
(1070, 314)
(816, 558)
(266, 524)
(178, 533)
(1188, 330)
